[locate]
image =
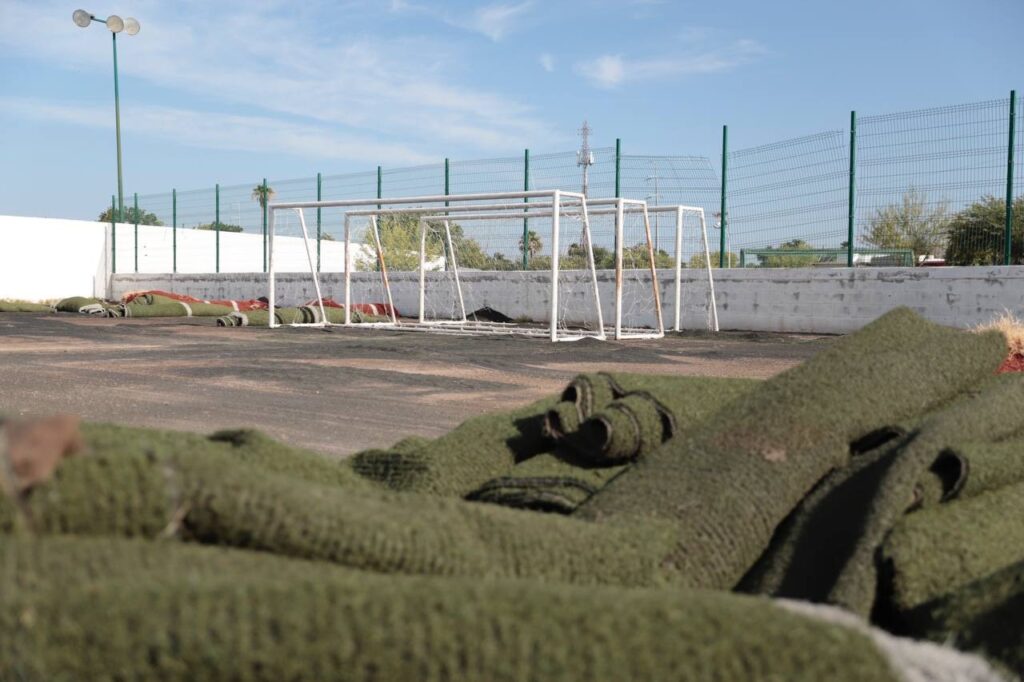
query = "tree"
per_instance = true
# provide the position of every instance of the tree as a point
(793, 261)
(224, 227)
(262, 195)
(697, 260)
(400, 242)
(977, 233)
(912, 223)
(534, 244)
(145, 217)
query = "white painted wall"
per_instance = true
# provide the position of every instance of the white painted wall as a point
(47, 258)
(811, 300)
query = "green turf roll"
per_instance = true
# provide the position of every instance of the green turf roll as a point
(551, 482)
(935, 551)
(827, 549)
(301, 315)
(987, 466)
(644, 412)
(456, 464)
(24, 307)
(75, 304)
(984, 617)
(633, 425)
(191, 613)
(729, 484)
(153, 487)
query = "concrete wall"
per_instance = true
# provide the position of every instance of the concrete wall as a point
(812, 300)
(44, 258)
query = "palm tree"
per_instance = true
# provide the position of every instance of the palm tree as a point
(534, 244)
(262, 195)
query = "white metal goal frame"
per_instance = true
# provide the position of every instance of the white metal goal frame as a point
(558, 202)
(618, 208)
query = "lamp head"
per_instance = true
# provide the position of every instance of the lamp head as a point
(131, 25)
(81, 18)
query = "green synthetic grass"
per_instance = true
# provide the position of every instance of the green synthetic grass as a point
(14, 306)
(138, 483)
(75, 304)
(118, 610)
(984, 617)
(828, 549)
(729, 485)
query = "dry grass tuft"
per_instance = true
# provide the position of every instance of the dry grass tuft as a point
(1011, 327)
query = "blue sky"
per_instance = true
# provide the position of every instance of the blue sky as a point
(230, 91)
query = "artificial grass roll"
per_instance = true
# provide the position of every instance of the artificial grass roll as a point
(301, 315)
(478, 450)
(153, 489)
(75, 304)
(24, 307)
(550, 482)
(190, 613)
(729, 484)
(988, 466)
(633, 425)
(827, 550)
(935, 551)
(985, 617)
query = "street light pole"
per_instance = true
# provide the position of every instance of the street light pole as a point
(117, 131)
(116, 24)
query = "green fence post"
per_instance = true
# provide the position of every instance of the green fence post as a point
(526, 221)
(263, 203)
(319, 195)
(1008, 232)
(722, 219)
(113, 234)
(380, 184)
(447, 187)
(136, 232)
(174, 230)
(851, 201)
(216, 223)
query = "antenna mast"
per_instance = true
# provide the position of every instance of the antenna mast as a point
(585, 157)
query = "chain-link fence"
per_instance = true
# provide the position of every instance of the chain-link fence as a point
(913, 188)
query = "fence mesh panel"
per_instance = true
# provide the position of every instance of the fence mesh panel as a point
(920, 172)
(788, 196)
(928, 183)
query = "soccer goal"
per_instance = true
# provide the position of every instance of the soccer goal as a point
(441, 269)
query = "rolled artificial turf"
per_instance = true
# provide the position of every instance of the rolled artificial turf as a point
(75, 304)
(828, 549)
(104, 609)
(486, 448)
(728, 485)
(936, 551)
(551, 482)
(301, 315)
(985, 617)
(133, 483)
(456, 464)
(24, 307)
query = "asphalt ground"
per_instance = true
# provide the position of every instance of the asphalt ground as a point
(337, 390)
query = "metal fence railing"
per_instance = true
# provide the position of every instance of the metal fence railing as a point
(919, 187)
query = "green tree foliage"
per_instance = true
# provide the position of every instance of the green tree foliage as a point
(912, 223)
(790, 261)
(224, 227)
(145, 217)
(535, 244)
(261, 195)
(977, 233)
(731, 259)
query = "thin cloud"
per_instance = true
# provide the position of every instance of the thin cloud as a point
(210, 130)
(547, 62)
(495, 21)
(260, 58)
(612, 70)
